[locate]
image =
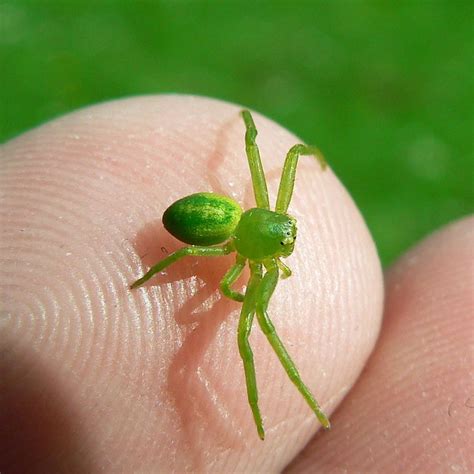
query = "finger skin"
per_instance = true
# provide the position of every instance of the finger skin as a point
(412, 409)
(151, 379)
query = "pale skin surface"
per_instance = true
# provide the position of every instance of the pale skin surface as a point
(97, 377)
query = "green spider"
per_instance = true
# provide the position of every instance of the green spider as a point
(260, 237)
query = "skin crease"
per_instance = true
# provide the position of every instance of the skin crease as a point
(97, 377)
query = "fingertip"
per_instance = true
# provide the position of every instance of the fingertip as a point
(96, 182)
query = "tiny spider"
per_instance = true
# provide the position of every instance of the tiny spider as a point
(260, 237)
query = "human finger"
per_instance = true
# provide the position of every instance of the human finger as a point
(412, 408)
(151, 379)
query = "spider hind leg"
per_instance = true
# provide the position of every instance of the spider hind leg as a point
(265, 291)
(245, 325)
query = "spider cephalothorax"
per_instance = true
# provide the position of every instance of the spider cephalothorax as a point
(263, 234)
(260, 237)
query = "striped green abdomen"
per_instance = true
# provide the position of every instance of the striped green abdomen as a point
(202, 218)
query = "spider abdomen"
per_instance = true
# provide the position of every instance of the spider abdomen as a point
(202, 218)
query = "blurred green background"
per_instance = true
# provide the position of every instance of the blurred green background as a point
(385, 89)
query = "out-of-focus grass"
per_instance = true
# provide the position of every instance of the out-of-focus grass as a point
(385, 90)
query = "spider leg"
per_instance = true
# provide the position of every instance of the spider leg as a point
(253, 155)
(287, 182)
(245, 325)
(230, 277)
(172, 258)
(285, 269)
(265, 291)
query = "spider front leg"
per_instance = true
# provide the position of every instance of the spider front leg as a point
(175, 256)
(287, 182)
(265, 291)
(245, 325)
(256, 169)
